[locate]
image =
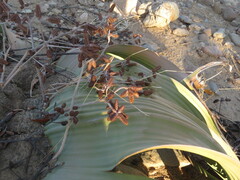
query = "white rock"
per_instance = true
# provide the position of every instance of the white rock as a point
(220, 34)
(228, 44)
(126, 7)
(162, 15)
(181, 32)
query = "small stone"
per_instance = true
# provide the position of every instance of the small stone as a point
(217, 8)
(238, 31)
(229, 14)
(203, 38)
(56, 11)
(220, 34)
(101, 4)
(235, 39)
(206, 2)
(236, 22)
(228, 44)
(185, 19)
(84, 17)
(45, 8)
(208, 32)
(237, 81)
(180, 32)
(213, 51)
(197, 18)
(195, 27)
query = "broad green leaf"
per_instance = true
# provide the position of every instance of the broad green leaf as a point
(90, 150)
(171, 118)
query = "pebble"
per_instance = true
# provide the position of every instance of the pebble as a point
(206, 2)
(220, 34)
(196, 27)
(236, 22)
(185, 19)
(238, 31)
(180, 32)
(237, 81)
(203, 38)
(229, 14)
(101, 4)
(162, 15)
(217, 8)
(213, 51)
(228, 44)
(208, 32)
(56, 11)
(235, 39)
(84, 17)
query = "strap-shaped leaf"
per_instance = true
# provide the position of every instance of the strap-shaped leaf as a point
(171, 118)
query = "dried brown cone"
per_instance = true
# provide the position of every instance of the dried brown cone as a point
(131, 93)
(116, 112)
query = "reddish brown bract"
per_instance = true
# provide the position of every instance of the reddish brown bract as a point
(116, 112)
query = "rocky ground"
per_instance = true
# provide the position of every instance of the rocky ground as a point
(206, 31)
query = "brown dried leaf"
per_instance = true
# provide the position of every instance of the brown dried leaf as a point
(49, 54)
(54, 20)
(21, 3)
(23, 28)
(15, 18)
(38, 11)
(4, 7)
(111, 8)
(1, 68)
(2, 61)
